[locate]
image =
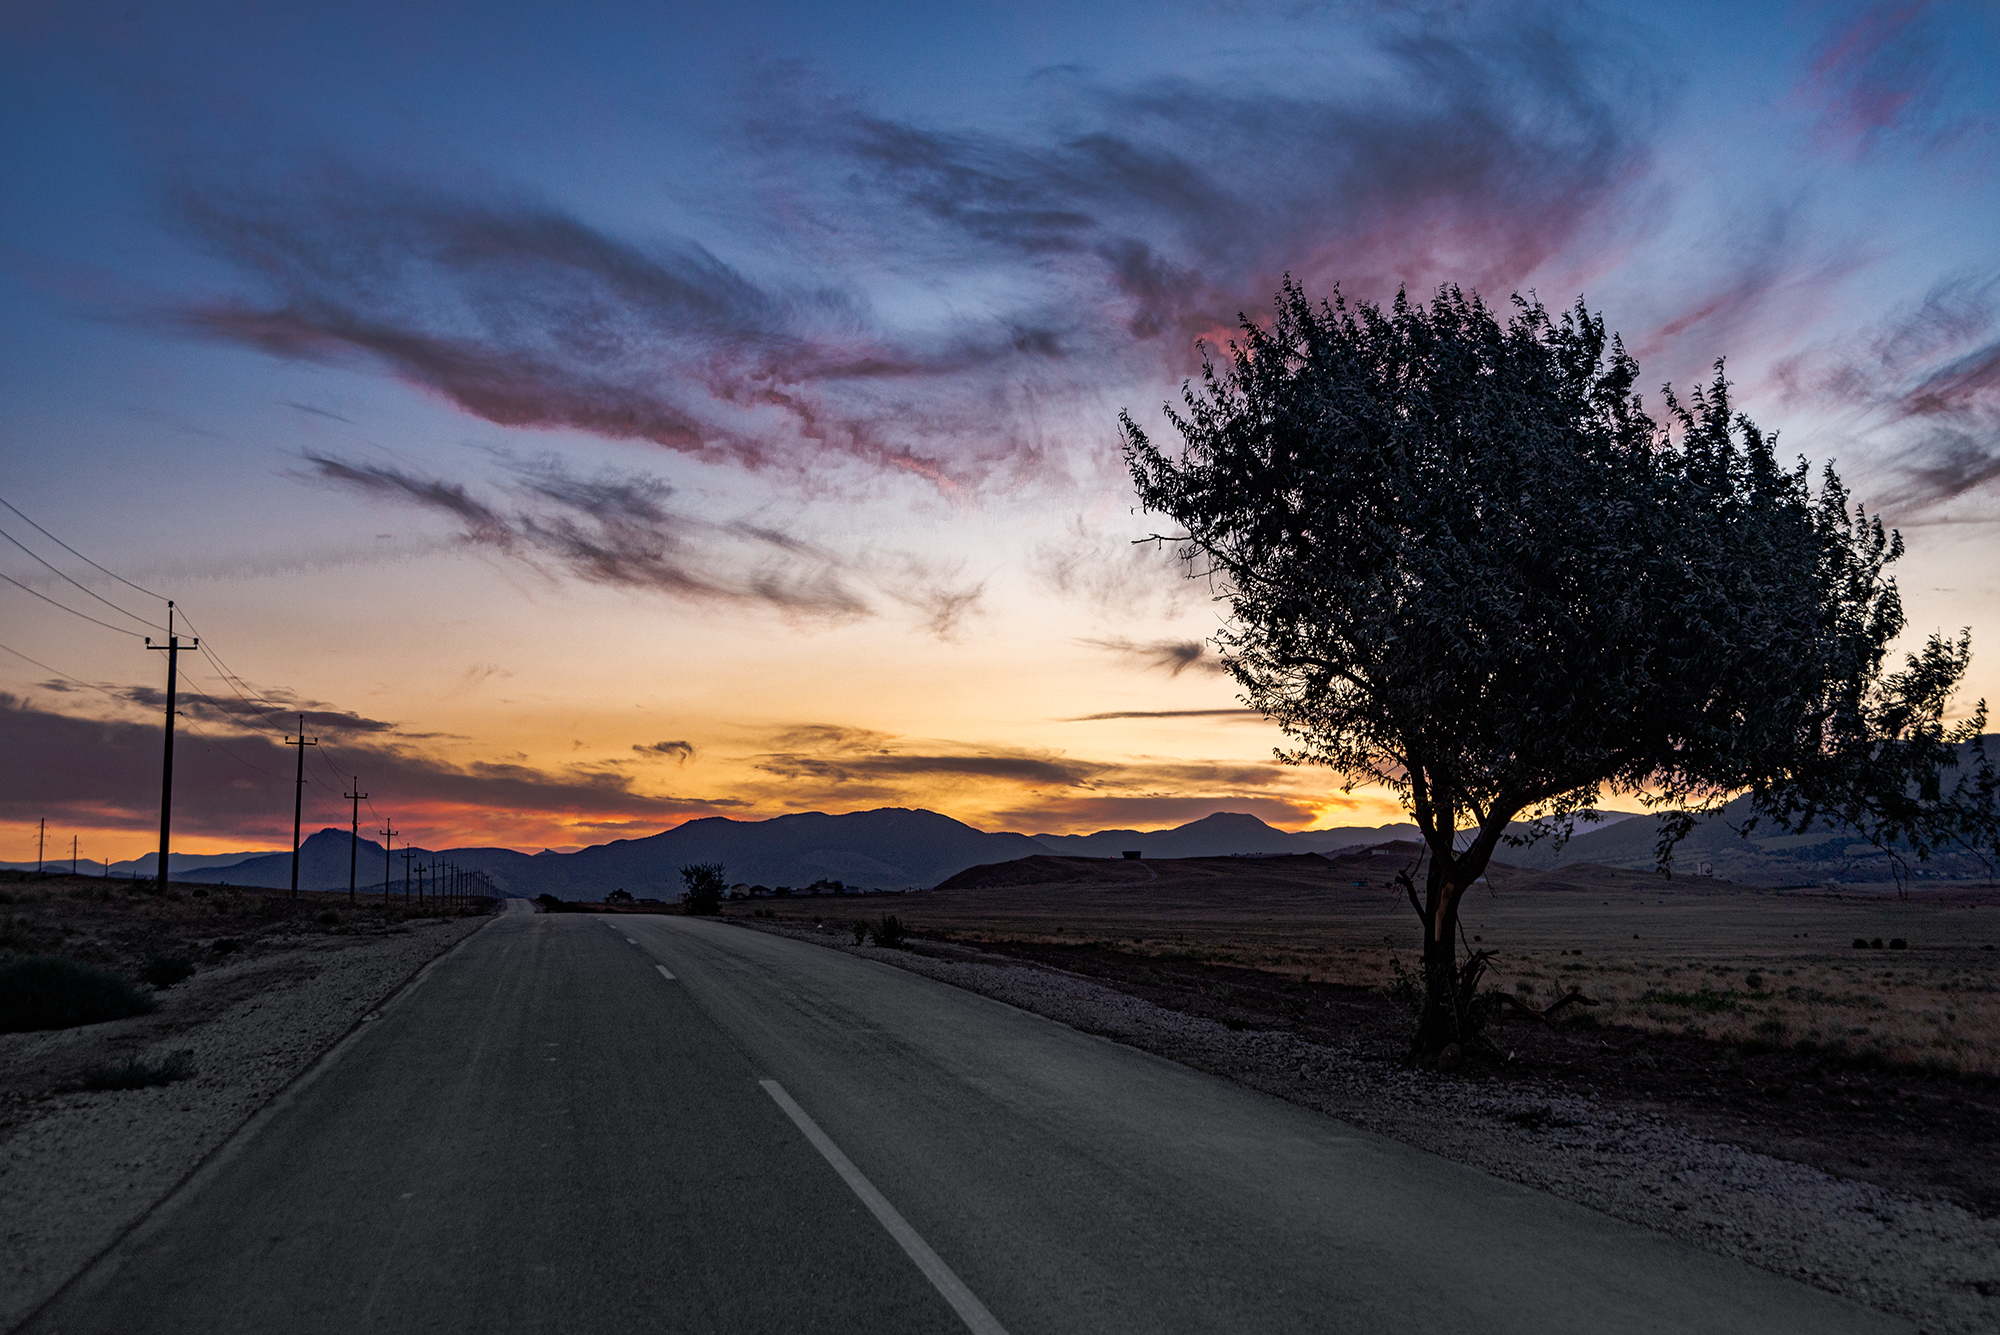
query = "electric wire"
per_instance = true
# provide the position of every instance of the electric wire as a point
(64, 675)
(71, 610)
(59, 574)
(228, 675)
(79, 555)
(223, 747)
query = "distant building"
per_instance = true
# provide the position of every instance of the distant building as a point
(1132, 853)
(618, 897)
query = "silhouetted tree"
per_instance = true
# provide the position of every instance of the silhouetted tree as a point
(1463, 562)
(705, 887)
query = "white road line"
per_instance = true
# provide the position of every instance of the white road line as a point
(663, 972)
(630, 942)
(970, 1310)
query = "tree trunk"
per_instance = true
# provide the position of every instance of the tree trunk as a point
(1451, 988)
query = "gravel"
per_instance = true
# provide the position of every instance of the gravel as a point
(1929, 1260)
(78, 1169)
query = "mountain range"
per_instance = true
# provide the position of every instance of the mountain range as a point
(892, 849)
(895, 848)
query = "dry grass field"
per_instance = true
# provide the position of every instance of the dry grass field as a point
(125, 926)
(1741, 965)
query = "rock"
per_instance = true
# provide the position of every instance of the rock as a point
(1451, 1058)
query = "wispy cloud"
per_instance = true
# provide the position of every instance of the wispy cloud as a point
(619, 529)
(1172, 657)
(1110, 573)
(843, 755)
(1160, 211)
(1166, 713)
(1924, 384)
(1076, 250)
(1885, 72)
(681, 752)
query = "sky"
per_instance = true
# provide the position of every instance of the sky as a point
(595, 417)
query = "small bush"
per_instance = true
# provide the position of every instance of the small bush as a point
(1876, 944)
(165, 970)
(1861, 943)
(860, 930)
(889, 932)
(48, 992)
(1753, 981)
(140, 1075)
(1899, 943)
(328, 918)
(225, 945)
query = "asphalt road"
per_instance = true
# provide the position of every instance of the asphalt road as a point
(583, 1124)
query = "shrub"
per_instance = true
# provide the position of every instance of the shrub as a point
(48, 992)
(889, 932)
(1898, 943)
(140, 1075)
(1861, 943)
(165, 970)
(225, 945)
(1876, 944)
(328, 919)
(860, 930)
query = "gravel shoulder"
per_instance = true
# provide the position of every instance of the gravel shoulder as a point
(1914, 1255)
(79, 1168)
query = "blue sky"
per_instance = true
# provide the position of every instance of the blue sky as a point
(521, 390)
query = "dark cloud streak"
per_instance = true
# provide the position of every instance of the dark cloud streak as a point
(618, 529)
(1153, 214)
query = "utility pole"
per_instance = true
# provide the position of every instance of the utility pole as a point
(41, 833)
(408, 853)
(298, 798)
(72, 855)
(388, 837)
(353, 832)
(173, 648)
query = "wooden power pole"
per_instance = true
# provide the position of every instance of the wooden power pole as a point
(298, 798)
(173, 648)
(353, 833)
(388, 837)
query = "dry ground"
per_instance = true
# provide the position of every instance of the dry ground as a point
(1745, 1013)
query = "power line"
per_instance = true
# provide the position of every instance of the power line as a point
(65, 676)
(230, 677)
(93, 593)
(79, 555)
(67, 608)
(223, 747)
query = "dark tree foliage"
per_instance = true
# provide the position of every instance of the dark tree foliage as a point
(1464, 562)
(705, 887)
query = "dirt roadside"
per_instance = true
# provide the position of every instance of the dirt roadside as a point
(77, 1167)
